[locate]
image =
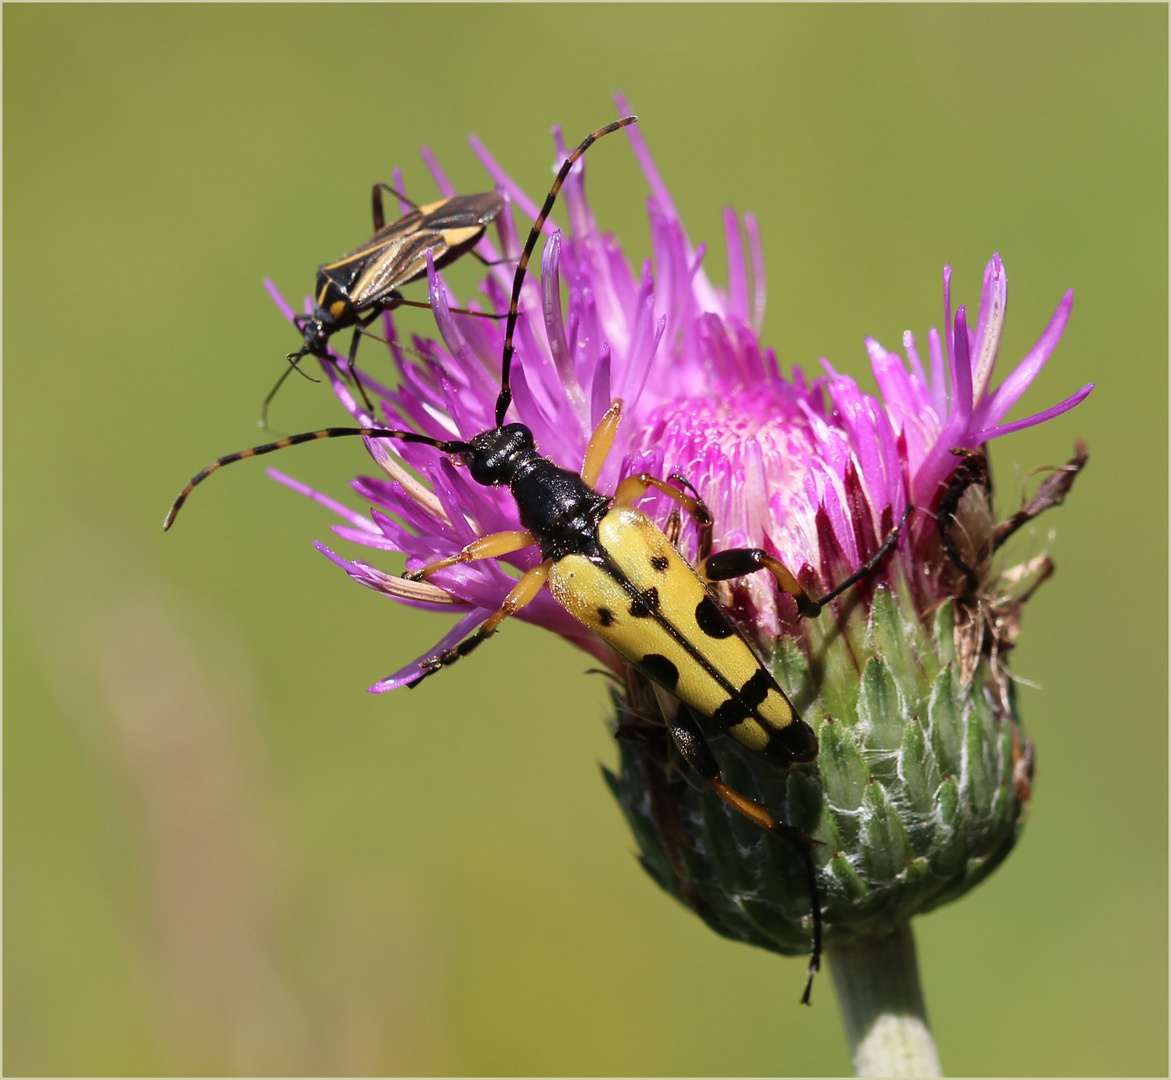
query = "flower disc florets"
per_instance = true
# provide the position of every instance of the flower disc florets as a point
(923, 769)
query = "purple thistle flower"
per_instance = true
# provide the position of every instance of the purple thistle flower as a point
(923, 775)
(812, 470)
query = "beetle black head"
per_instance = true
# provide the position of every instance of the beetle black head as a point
(495, 454)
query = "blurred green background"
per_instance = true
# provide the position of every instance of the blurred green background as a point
(221, 854)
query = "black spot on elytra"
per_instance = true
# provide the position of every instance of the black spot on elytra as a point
(744, 705)
(730, 713)
(753, 692)
(660, 562)
(711, 619)
(795, 741)
(660, 670)
(606, 616)
(646, 602)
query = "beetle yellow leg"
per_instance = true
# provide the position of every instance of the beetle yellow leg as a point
(692, 744)
(523, 592)
(491, 546)
(600, 442)
(635, 487)
(736, 562)
(698, 754)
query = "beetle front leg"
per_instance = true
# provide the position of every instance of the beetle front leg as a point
(601, 442)
(522, 593)
(491, 546)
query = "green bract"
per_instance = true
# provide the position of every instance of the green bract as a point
(916, 796)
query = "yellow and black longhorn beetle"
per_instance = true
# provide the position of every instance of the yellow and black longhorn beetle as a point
(358, 287)
(613, 569)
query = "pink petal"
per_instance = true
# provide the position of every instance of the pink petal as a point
(1009, 392)
(1038, 418)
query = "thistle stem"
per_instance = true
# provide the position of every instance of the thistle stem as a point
(877, 983)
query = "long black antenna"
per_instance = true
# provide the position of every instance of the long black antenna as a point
(451, 447)
(505, 398)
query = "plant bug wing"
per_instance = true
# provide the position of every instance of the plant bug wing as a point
(396, 254)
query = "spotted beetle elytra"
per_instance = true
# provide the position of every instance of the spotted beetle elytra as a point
(360, 286)
(612, 568)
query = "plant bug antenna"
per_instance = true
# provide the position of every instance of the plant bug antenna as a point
(293, 366)
(357, 377)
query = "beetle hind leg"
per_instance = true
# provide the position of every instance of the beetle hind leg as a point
(737, 562)
(689, 738)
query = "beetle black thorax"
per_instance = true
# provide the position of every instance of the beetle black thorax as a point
(555, 505)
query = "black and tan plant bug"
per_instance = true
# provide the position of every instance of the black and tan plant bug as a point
(358, 287)
(612, 568)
